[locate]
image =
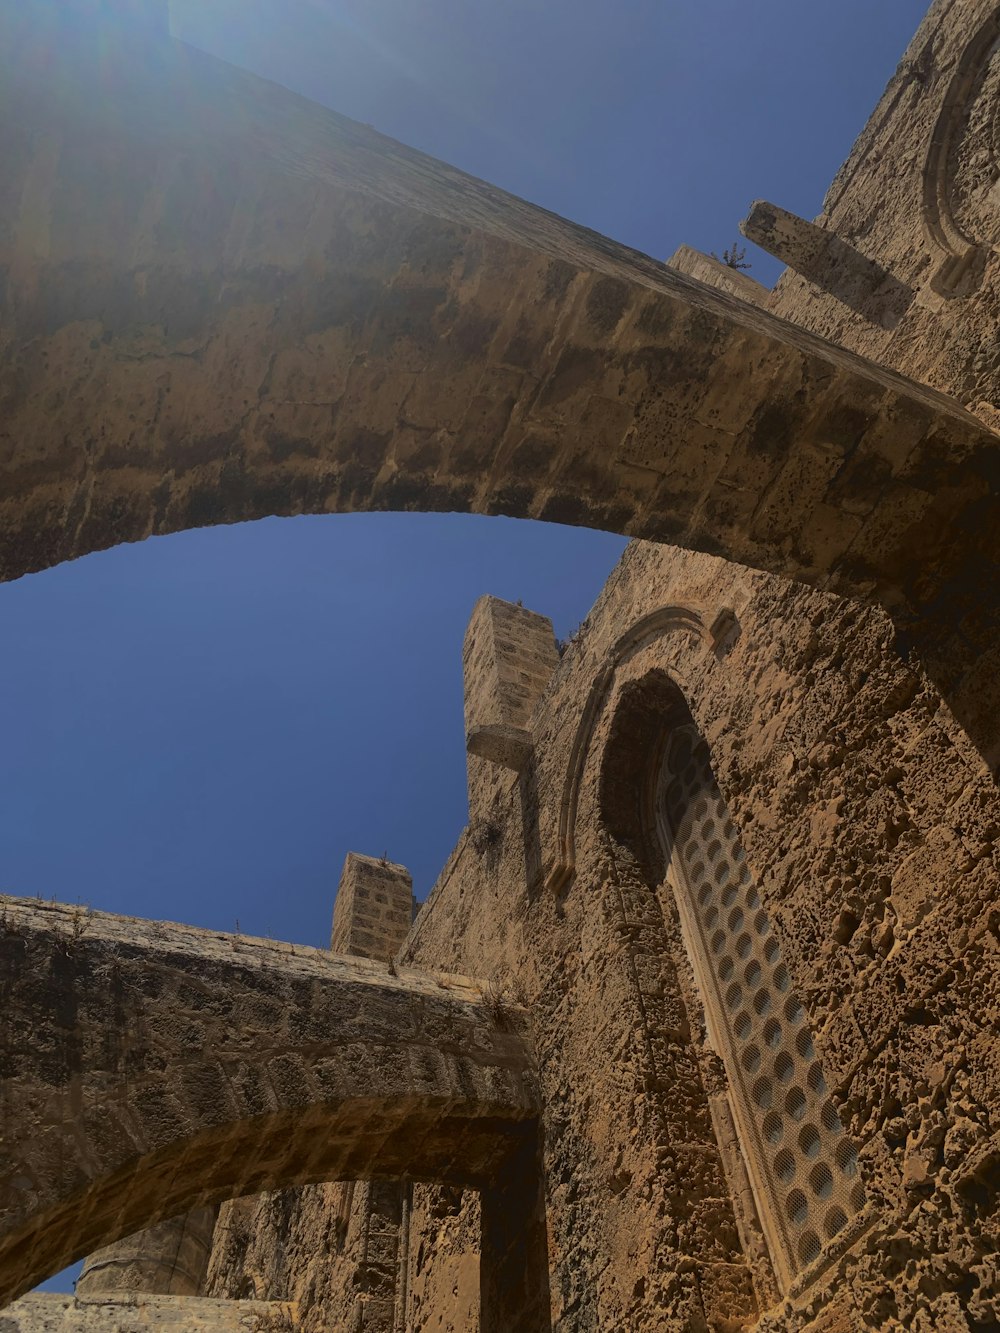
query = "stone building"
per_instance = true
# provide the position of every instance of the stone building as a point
(697, 1028)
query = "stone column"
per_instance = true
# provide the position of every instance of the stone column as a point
(372, 915)
(376, 1279)
(170, 1259)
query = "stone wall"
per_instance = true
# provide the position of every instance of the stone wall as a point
(338, 1250)
(170, 1259)
(917, 202)
(914, 199)
(870, 827)
(314, 1247)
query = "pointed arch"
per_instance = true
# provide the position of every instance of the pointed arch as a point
(660, 802)
(656, 625)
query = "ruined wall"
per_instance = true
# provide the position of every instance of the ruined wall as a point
(306, 1244)
(869, 820)
(169, 1259)
(870, 826)
(147, 1069)
(313, 1247)
(902, 266)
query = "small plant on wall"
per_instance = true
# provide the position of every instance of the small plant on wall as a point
(733, 257)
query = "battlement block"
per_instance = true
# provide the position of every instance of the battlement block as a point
(373, 910)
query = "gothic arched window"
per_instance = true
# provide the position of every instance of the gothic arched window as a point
(803, 1167)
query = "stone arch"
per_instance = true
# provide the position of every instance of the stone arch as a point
(646, 710)
(618, 797)
(657, 625)
(149, 1069)
(955, 253)
(223, 302)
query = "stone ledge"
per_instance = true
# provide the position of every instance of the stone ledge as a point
(510, 747)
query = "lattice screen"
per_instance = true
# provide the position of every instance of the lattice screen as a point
(803, 1166)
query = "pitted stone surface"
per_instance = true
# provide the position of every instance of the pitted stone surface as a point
(869, 827)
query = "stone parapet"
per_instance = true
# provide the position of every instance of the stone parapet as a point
(714, 273)
(46, 1313)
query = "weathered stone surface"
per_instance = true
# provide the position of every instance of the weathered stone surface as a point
(373, 909)
(714, 273)
(338, 1250)
(150, 1068)
(508, 657)
(850, 784)
(351, 325)
(827, 261)
(110, 1314)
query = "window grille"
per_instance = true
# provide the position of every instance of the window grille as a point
(803, 1167)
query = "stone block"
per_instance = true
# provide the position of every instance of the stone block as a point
(373, 908)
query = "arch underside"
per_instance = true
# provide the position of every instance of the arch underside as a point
(148, 1069)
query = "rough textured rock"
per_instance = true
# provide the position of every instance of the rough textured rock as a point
(373, 909)
(170, 1259)
(508, 656)
(731, 872)
(851, 785)
(339, 1251)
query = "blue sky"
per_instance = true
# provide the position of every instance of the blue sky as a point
(201, 727)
